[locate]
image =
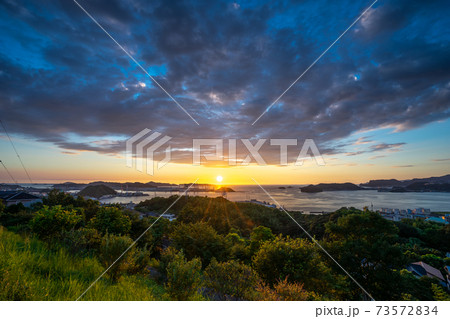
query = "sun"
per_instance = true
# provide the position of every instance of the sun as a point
(219, 179)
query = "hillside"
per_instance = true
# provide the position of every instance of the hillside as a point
(130, 186)
(30, 271)
(225, 189)
(97, 191)
(384, 183)
(330, 187)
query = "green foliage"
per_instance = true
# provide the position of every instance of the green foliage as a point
(2, 207)
(82, 241)
(237, 247)
(219, 213)
(413, 288)
(431, 234)
(58, 198)
(183, 278)
(199, 240)
(160, 204)
(16, 221)
(111, 220)
(258, 236)
(231, 280)
(364, 245)
(153, 237)
(15, 209)
(439, 293)
(167, 256)
(433, 260)
(238, 244)
(285, 291)
(111, 249)
(295, 259)
(53, 221)
(31, 271)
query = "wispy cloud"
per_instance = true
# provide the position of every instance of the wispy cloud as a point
(441, 159)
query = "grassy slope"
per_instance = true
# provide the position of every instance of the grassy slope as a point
(30, 271)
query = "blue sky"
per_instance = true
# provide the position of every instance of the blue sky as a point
(379, 99)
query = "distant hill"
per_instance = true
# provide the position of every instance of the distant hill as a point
(311, 189)
(97, 191)
(130, 186)
(422, 187)
(330, 187)
(382, 183)
(387, 183)
(225, 189)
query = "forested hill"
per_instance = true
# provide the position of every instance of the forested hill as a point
(214, 250)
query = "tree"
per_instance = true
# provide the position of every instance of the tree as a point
(439, 293)
(51, 221)
(183, 278)
(231, 280)
(111, 220)
(199, 240)
(258, 236)
(2, 207)
(55, 197)
(285, 291)
(153, 237)
(295, 259)
(364, 244)
(111, 248)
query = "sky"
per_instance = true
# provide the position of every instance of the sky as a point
(376, 104)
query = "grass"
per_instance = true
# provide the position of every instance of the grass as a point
(29, 270)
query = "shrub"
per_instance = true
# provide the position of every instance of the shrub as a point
(183, 278)
(439, 293)
(258, 236)
(18, 222)
(231, 280)
(82, 240)
(51, 221)
(111, 220)
(167, 256)
(55, 197)
(113, 247)
(296, 259)
(141, 258)
(237, 247)
(284, 291)
(199, 240)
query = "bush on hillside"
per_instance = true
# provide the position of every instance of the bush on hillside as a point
(284, 291)
(111, 220)
(231, 280)
(49, 222)
(111, 249)
(183, 278)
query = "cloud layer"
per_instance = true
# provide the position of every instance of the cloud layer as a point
(63, 81)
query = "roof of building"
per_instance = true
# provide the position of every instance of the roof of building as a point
(425, 269)
(15, 195)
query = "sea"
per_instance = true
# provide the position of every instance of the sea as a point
(293, 199)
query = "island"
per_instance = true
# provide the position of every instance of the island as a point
(97, 191)
(330, 187)
(225, 189)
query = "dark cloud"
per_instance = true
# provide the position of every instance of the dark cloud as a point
(63, 81)
(394, 147)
